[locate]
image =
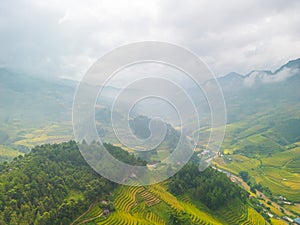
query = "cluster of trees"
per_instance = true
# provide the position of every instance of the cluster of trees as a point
(51, 185)
(179, 218)
(244, 175)
(253, 185)
(140, 127)
(210, 187)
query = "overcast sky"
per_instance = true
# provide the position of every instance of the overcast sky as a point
(64, 38)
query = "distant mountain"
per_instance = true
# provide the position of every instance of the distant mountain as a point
(255, 77)
(35, 111)
(258, 90)
(32, 98)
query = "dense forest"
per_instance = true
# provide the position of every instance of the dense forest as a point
(51, 185)
(210, 187)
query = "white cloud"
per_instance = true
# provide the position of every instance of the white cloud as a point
(62, 38)
(266, 77)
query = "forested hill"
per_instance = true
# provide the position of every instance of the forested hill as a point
(50, 185)
(54, 185)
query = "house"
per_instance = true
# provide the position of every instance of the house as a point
(282, 198)
(287, 203)
(104, 202)
(105, 212)
(297, 220)
(233, 179)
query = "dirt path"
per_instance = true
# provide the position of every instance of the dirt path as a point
(82, 214)
(88, 220)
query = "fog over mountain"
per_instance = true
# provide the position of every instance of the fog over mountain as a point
(51, 102)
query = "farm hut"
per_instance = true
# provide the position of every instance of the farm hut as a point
(105, 212)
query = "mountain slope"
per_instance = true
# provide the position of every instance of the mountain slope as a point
(53, 185)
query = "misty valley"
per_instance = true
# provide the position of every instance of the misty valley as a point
(253, 179)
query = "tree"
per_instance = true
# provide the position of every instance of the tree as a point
(244, 175)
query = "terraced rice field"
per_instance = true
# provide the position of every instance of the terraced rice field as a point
(254, 218)
(282, 158)
(244, 216)
(280, 172)
(148, 205)
(133, 207)
(123, 218)
(127, 198)
(197, 216)
(165, 196)
(154, 219)
(149, 198)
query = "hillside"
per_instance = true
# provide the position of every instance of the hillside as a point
(262, 140)
(33, 111)
(53, 185)
(36, 111)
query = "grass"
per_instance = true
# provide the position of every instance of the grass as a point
(281, 158)
(7, 153)
(279, 172)
(278, 222)
(74, 195)
(51, 134)
(31, 135)
(238, 163)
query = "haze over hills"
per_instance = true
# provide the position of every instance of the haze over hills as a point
(31, 105)
(260, 153)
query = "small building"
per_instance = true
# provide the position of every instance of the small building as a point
(104, 202)
(105, 212)
(287, 203)
(297, 220)
(233, 179)
(282, 198)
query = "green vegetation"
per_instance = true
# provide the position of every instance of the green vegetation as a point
(50, 185)
(211, 187)
(278, 172)
(53, 185)
(7, 153)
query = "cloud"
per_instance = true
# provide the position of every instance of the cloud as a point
(63, 38)
(266, 77)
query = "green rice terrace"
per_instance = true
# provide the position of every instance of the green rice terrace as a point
(154, 204)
